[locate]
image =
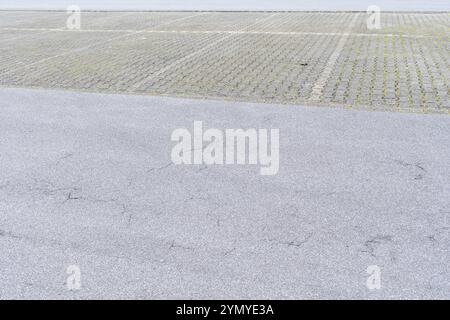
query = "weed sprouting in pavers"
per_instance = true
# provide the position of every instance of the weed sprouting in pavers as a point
(249, 56)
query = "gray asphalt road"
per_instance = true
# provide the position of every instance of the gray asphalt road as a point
(87, 180)
(301, 5)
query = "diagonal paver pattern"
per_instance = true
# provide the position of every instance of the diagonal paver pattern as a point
(320, 58)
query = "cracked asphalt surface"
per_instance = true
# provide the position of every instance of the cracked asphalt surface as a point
(86, 179)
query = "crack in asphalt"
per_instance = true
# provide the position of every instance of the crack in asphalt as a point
(436, 233)
(160, 168)
(174, 245)
(9, 234)
(59, 160)
(372, 244)
(417, 165)
(292, 243)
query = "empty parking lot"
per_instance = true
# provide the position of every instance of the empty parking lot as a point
(316, 58)
(87, 179)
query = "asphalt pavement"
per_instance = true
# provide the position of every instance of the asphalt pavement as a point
(86, 180)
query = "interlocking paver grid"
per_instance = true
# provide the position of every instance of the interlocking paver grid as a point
(268, 57)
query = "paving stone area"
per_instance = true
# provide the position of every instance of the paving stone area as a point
(320, 58)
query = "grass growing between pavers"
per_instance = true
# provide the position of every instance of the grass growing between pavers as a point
(248, 56)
